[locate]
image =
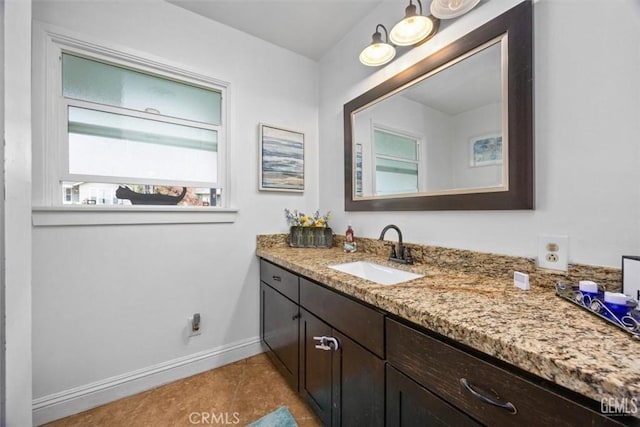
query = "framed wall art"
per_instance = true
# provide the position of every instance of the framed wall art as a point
(281, 159)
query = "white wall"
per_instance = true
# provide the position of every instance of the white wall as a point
(587, 156)
(16, 340)
(110, 300)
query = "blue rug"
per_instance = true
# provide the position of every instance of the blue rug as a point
(281, 417)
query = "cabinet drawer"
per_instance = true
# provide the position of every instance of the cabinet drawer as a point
(411, 405)
(442, 369)
(280, 279)
(361, 323)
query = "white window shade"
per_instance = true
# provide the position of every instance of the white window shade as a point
(92, 81)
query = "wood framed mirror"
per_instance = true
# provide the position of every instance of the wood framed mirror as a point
(452, 132)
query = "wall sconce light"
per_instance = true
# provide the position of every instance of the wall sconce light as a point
(447, 9)
(378, 52)
(415, 27)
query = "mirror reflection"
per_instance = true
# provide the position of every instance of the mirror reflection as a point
(442, 134)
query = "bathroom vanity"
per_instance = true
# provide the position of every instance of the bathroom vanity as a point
(450, 348)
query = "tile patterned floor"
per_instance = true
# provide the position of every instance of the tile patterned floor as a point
(235, 394)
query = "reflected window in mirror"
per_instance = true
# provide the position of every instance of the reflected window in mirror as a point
(397, 162)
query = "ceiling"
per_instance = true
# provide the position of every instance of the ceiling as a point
(308, 27)
(469, 84)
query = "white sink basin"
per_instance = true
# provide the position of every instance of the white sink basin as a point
(377, 273)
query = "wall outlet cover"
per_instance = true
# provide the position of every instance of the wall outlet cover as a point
(191, 331)
(553, 252)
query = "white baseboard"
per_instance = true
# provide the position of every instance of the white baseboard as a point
(78, 399)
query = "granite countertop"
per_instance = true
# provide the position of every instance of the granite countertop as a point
(534, 330)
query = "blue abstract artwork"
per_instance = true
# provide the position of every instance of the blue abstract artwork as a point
(282, 159)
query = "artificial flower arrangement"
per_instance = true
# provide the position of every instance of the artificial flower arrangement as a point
(309, 231)
(298, 219)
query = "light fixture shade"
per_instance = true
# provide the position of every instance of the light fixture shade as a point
(411, 30)
(414, 28)
(377, 54)
(448, 9)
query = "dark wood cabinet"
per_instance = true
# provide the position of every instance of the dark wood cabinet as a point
(411, 405)
(316, 374)
(358, 385)
(279, 327)
(354, 340)
(320, 353)
(280, 279)
(280, 331)
(363, 324)
(341, 380)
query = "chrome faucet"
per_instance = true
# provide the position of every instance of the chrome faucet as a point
(402, 254)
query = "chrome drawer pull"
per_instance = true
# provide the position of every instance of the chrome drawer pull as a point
(507, 406)
(327, 343)
(277, 278)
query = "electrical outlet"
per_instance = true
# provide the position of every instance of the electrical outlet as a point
(193, 325)
(553, 252)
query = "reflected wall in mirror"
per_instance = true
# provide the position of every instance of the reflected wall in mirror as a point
(454, 131)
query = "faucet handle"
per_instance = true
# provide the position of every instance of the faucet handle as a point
(393, 255)
(407, 256)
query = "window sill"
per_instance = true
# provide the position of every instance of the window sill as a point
(48, 216)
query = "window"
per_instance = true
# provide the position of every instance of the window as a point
(397, 162)
(131, 131)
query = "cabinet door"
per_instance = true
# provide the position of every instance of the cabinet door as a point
(358, 385)
(410, 405)
(280, 331)
(315, 366)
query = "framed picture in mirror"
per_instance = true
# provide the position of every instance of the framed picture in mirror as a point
(485, 150)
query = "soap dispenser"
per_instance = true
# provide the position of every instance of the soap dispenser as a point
(349, 240)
